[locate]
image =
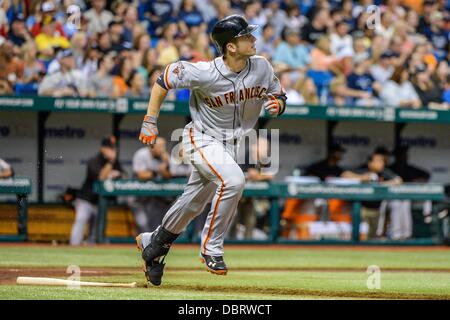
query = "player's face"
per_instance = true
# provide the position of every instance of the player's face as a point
(245, 45)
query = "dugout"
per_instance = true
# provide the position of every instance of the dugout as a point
(49, 139)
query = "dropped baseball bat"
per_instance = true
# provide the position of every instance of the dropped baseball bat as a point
(72, 283)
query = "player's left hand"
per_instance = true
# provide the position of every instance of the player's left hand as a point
(272, 105)
(149, 131)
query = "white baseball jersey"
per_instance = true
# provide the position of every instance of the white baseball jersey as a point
(222, 102)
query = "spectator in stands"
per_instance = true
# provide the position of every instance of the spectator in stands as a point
(441, 73)
(342, 95)
(148, 62)
(150, 163)
(141, 45)
(33, 70)
(119, 8)
(223, 9)
(89, 62)
(11, 70)
(275, 16)
(446, 92)
(167, 51)
(255, 14)
(266, 43)
(115, 31)
(129, 22)
(374, 171)
(317, 27)
(189, 16)
(361, 80)
(437, 35)
(290, 53)
(158, 12)
(78, 46)
(98, 17)
(201, 50)
(323, 64)
(49, 38)
(136, 86)
(361, 52)
(382, 70)
(386, 26)
(103, 166)
(294, 97)
(104, 42)
(124, 69)
(342, 45)
(101, 83)
(428, 89)
(18, 34)
(45, 13)
(307, 89)
(6, 171)
(399, 92)
(255, 161)
(3, 24)
(67, 82)
(294, 18)
(403, 39)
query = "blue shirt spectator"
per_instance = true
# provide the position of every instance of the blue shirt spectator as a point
(291, 52)
(189, 14)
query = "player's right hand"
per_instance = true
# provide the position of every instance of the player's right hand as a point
(149, 130)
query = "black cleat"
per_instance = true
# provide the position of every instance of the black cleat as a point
(214, 264)
(153, 270)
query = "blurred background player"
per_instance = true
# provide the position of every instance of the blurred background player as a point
(151, 163)
(103, 166)
(249, 209)
(6, 171)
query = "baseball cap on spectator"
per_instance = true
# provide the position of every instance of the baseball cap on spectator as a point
(335, 147)
(64, 53)
(19, 17)
(109, 142)
(388, 54)
(47, 6)
(419, 69)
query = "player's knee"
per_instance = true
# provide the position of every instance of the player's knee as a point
(235, 182)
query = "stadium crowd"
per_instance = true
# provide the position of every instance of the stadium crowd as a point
(340, 52)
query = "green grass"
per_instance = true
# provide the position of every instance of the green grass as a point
(185, 279)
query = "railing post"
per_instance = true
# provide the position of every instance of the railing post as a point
(356, 220)
(22, 216)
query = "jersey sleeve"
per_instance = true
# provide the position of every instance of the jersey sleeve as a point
(179, 75)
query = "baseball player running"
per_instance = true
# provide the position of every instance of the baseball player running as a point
(226, 98)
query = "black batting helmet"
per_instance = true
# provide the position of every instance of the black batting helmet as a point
(229, 28)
